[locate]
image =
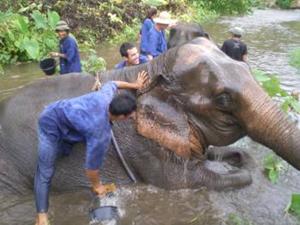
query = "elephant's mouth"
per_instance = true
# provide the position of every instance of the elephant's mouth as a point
(178, 135)
(198, 145)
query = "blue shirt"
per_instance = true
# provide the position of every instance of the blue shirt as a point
(68, 46)
(146, 27)
(86, 118)
(122, 64)
(157, 42)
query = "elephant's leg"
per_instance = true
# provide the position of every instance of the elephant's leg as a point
(234, 156)
(205, 175)
(233, 179)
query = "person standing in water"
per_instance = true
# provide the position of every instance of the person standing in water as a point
(234, 47)
(157, 37)
(69, 59)
(148, 23)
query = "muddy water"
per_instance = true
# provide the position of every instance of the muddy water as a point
(270, 35)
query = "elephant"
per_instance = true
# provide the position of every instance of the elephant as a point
(197, 103)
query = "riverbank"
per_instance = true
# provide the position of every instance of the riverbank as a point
(262, 203)
(27, 27)
(96, 21)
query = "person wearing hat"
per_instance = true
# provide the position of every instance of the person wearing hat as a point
(69, 59)
(87, 119)
(234, 47)
(131, 56)
(157, 38)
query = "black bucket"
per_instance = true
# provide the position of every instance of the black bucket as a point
(48, 65)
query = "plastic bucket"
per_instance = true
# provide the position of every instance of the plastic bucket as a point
(48, 65)
(104, 213)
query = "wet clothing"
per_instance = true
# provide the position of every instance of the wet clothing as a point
(62, 123)
(69, 47)
(122, 64)
(235, 49)
(157, 42)
(146, 27)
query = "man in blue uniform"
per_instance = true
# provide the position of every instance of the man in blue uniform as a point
(86, 119)
(131, 56)
(157, 39)
(69, 59)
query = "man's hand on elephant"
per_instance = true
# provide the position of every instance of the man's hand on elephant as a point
(142, 80)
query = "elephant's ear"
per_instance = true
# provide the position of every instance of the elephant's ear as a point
(161, 122)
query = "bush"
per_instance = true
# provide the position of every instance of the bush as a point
(229, 6)
(295, 58)
(25, 38)
(285, 4)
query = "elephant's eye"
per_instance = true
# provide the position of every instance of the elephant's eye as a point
(224, 101)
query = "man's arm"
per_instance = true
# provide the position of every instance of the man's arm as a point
(97, 145)
(245, 54)
(138, 84)
(224, 47)
(153, 43)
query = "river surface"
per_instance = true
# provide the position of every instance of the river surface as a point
(270, 36)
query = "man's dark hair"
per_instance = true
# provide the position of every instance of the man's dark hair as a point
(151, 12)
(122, 104)
(125, 47)
(237, 36)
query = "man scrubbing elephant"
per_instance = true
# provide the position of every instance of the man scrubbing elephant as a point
(86, 119)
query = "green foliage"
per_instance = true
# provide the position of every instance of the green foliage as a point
(129, 33)
(1, 70)
(234, 219)
(295, 58)
(229, 6)
(273, 166)
(294, 205)
(26, 38)
(155, 2)
(271, 85)
(197, 11)
(285, 4)
(32, 48)
(94, 63)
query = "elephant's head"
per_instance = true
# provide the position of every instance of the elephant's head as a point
(183, 33)
(202, 97)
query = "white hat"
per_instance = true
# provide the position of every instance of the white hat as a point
(164, 18)
(236, 31)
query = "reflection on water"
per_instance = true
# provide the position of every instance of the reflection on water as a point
(270, 35)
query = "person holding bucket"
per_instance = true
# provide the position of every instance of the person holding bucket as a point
(87, 119)
(69, 59)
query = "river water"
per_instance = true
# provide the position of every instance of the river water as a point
(270, 35)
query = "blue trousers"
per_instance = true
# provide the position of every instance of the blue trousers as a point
(50, 147)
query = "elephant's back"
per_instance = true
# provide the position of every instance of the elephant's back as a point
(19, 115)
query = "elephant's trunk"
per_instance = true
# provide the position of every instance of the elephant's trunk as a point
(268, 125)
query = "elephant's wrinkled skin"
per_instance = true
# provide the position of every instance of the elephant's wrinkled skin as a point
(198, 97)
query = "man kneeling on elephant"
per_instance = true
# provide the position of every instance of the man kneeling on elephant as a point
(87, 119)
